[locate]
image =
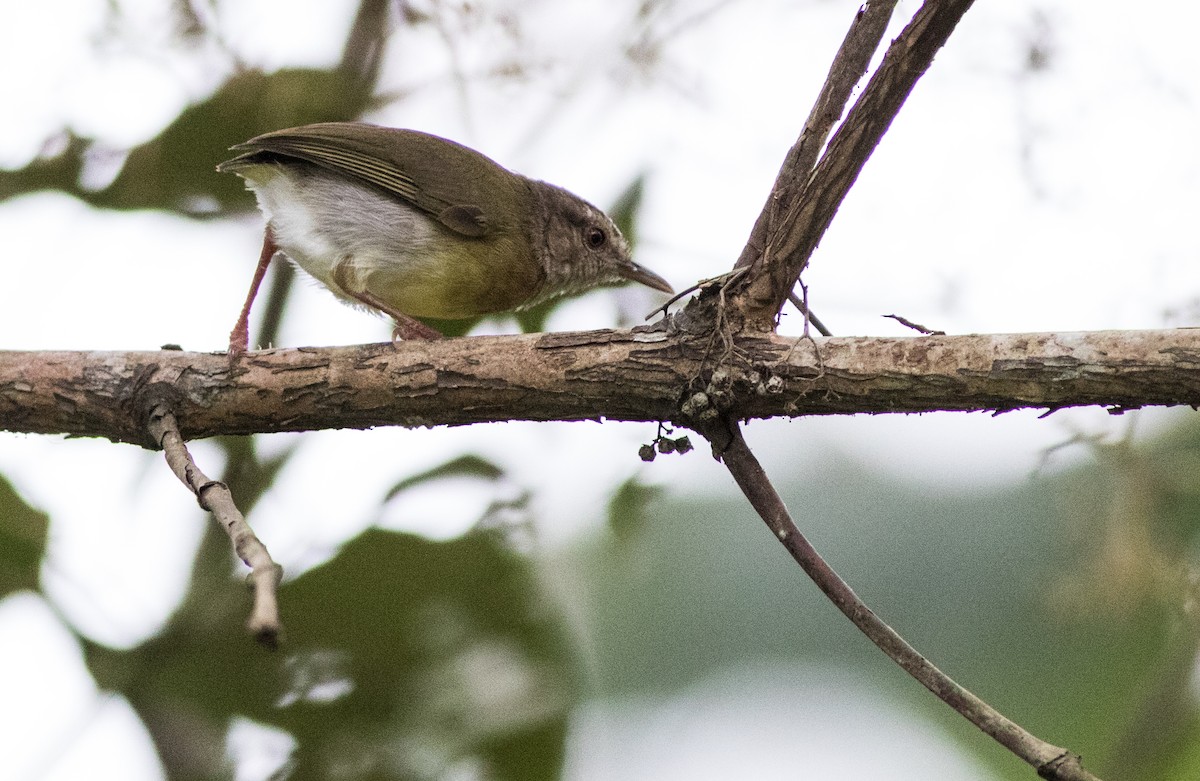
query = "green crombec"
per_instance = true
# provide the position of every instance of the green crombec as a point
(414, 225)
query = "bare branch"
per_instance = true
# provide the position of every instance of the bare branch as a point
(639, 375)
(803, 221)
(904, 321)
(1050, 761)
(214, 496)
(849, 65)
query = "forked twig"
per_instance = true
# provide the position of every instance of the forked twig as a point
(1051, 762)
(810, 317)
(214, 496)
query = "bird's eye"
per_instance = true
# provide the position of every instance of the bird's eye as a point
(596, 237)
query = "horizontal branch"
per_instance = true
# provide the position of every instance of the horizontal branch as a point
(639, 375)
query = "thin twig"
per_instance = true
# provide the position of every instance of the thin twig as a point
(916, 326)
(1050, 761)
(726, 279)
(214, 496)
(810, 317)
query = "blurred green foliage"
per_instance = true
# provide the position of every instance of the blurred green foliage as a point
(22, 541)
(1035, 597)
(176, 171)
(404, 658)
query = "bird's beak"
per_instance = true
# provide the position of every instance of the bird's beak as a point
(635, 273)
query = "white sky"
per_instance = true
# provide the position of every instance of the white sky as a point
(1000, 201)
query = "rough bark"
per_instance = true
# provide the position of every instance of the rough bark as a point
(639, 375)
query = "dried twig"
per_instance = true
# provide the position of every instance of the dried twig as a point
(810, 317)
(916, 326)
(1051, 762)
(214, 496)
(725, 280)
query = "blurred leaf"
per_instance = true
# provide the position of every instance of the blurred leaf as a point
(176, 170)
(968, 578)
(59, 168)
(249, 474)
(22, 541)
(627, 209)
(627, 510)
(1134, 522)
(463, 466)
(1180, 761)
(404, 658)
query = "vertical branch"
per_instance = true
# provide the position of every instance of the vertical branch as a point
(849, 65)
(214, 496)
(1050, 761)
(790, 240)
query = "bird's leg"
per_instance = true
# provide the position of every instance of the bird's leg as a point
(406, 326)
(239, 337)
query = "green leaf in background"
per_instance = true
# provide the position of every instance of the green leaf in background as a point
(464, 466)
(627, 209)
(404, 658)
(628, 512)
(22, 541)
(1067, 601)
(176, 170)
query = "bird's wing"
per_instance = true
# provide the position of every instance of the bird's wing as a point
(406, 164)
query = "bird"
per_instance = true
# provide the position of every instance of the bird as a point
(414, 225)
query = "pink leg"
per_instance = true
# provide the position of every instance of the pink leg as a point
(239, 337)
(406, 327)
(411, 328)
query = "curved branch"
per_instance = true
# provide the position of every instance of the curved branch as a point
(1050, 761)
